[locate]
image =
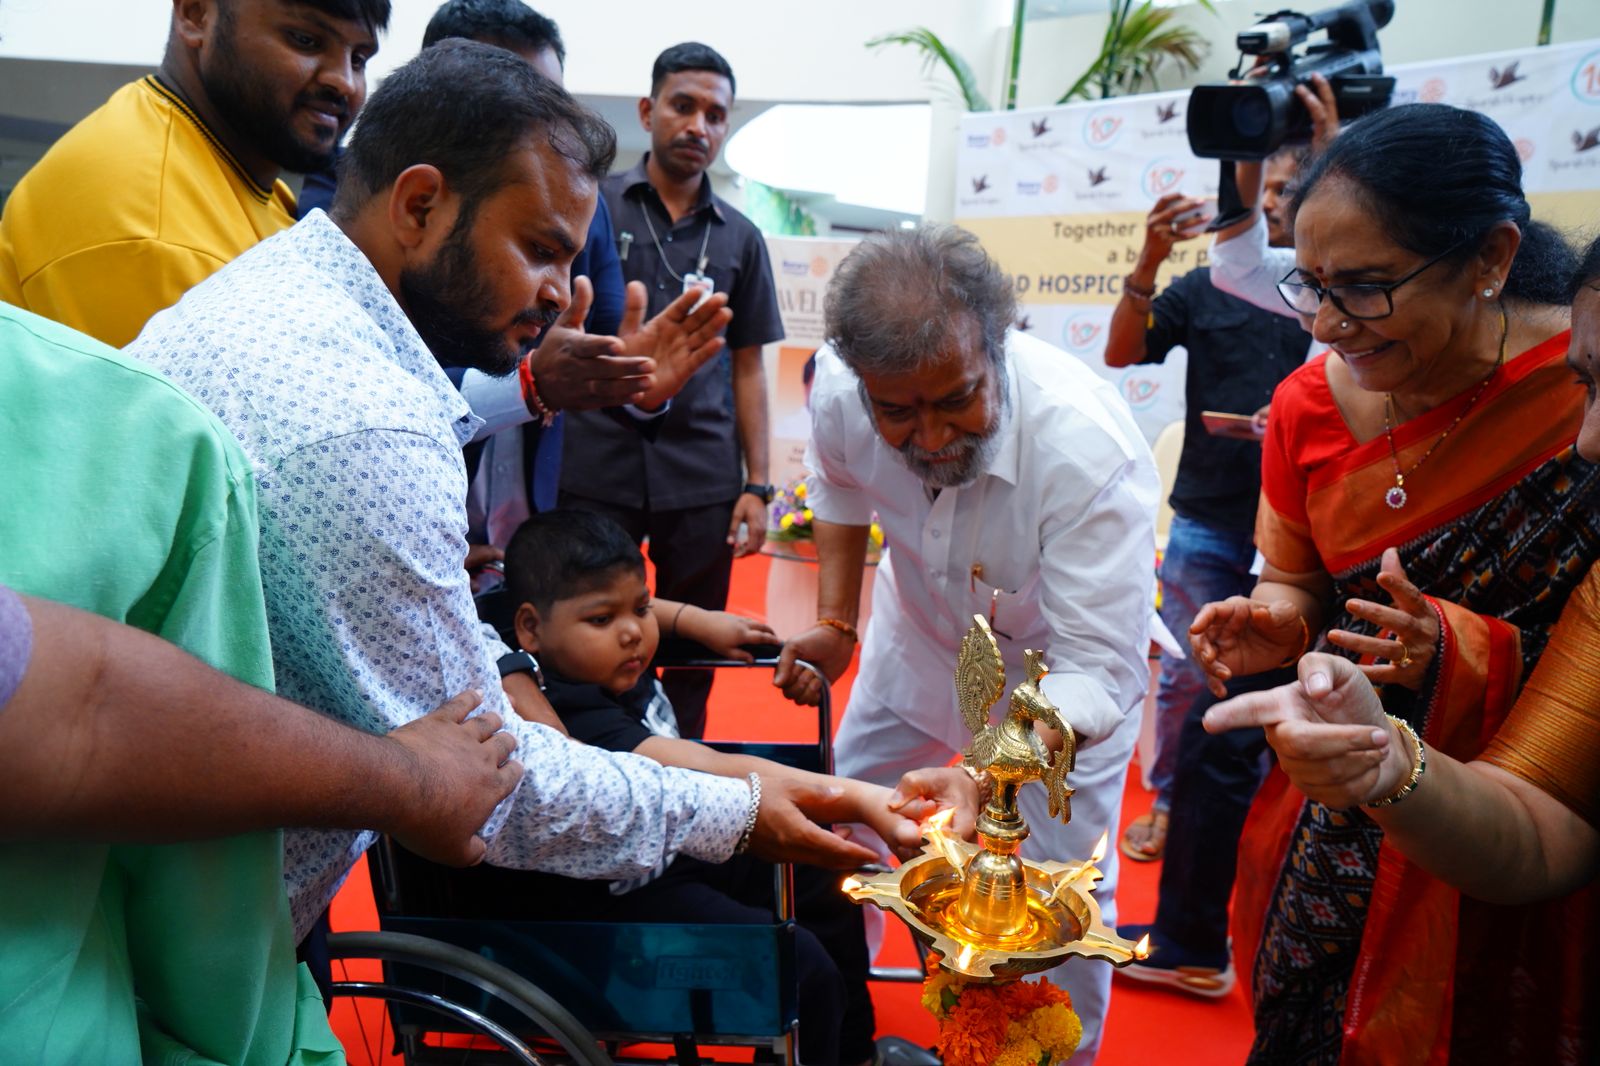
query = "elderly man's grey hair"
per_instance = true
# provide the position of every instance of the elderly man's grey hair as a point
(902, 299)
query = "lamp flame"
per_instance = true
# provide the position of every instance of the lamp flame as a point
(1141, 950)
(964, 959)
(1100, 848)
(935, 827)
(851, 884)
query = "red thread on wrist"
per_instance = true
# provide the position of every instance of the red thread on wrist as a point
(530, 394)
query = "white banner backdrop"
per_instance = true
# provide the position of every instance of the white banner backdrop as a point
(1058, 195)
(802, 267)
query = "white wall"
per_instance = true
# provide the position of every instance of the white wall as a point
(779, 49)
(785, 50)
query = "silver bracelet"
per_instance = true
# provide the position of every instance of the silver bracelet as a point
(750, 819)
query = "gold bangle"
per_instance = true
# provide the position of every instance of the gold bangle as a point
(1419, 763)
(844, 627)
(1305, 645)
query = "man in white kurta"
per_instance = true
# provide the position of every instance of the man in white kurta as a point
(1050, 534)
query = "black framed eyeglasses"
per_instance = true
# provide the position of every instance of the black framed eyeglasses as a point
(1365, 300)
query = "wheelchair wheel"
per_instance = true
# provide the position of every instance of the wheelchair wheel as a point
(485, 1012)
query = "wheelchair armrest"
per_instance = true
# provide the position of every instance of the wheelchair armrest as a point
(677, 653)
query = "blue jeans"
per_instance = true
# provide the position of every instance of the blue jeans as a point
(1202, 564)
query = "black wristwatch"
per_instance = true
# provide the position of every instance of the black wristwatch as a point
(764, 492)
(518, 662)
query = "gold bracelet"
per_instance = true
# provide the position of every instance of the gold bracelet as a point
(1419, 763)
(844, 627)
(1305, 645)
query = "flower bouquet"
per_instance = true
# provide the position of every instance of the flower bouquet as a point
(1016, 1023)
(790, 522)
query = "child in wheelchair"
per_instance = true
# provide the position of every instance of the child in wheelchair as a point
(585, 611)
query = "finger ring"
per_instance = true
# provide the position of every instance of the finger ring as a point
(1405, 657)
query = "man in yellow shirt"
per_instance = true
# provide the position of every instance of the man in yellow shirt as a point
(177, 173)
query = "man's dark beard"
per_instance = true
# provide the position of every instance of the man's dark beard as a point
(246, 102)
(448, 301)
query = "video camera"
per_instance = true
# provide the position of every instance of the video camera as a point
(1253, 118)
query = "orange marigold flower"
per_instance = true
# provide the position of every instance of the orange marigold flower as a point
(1024, 996)
(973, 1035)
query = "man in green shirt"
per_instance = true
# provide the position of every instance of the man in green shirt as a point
(124, 497)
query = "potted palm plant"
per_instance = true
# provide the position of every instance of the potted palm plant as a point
(1141, 41)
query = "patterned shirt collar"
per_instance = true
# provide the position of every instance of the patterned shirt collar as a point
(320, 240)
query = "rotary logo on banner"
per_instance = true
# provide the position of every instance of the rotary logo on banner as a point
(1059, 195)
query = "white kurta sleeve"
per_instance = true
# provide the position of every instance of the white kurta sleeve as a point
(1097, 584)
(833, 491)
(1247, 268)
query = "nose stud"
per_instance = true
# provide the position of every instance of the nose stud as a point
(1344, 325)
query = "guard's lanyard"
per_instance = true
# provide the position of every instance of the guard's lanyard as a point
(700, 263)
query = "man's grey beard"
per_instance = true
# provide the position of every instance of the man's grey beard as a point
(962, 461)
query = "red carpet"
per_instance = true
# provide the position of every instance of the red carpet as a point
(1145, 1026)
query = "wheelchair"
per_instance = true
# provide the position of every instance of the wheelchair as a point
(443, 1004)
(556, 991)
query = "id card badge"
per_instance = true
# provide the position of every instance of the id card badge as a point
(695, 281)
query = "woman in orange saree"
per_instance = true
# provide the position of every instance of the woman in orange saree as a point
(1441, 425)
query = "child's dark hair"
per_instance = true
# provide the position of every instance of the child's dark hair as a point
(560, 554)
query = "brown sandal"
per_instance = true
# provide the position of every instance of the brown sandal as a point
(1145, 839)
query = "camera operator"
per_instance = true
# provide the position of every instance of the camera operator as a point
(1237, 356)
(1245, 261)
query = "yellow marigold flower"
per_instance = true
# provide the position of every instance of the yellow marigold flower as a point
(1025, 1051)
(808, 514)
(1057, 1028)
(800, 491)
(786, 522)
(933, 992)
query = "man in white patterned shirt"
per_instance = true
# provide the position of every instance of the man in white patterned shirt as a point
(466, 191)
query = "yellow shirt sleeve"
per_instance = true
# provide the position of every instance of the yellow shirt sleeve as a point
(109, 291)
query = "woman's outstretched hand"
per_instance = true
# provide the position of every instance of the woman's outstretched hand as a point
(1408, 632)
(1239, 636)
(1329, 730)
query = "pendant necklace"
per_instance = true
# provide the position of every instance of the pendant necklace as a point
(1396, 496)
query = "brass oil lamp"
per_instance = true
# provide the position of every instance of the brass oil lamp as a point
(988, 912)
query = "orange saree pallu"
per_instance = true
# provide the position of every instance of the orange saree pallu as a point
(1357, 956)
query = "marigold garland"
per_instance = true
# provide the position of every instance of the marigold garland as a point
(1018, 1023)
